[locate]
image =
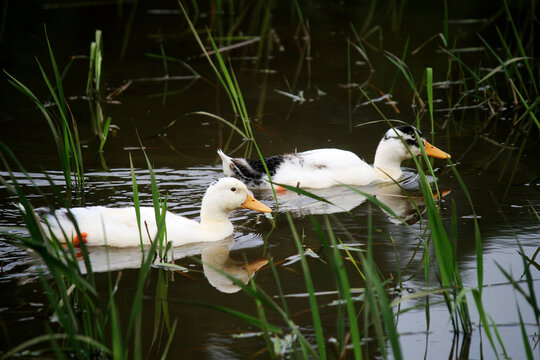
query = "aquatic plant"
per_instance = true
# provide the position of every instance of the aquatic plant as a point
(94, 91)
(230, 84)
(160, 209)
(88, 321)
(61, 123)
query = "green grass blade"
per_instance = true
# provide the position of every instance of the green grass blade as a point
(264, 325)
(155, 198)
(117, 344)
(473, 73)
(279, 287)
(62, 103)
(519, 43)
(91, 70)
(53, 126)
(300, 191)
(136, 201)
(373, 199)
(402, 67)
(527, 107)
(501, 67)
(104, 133)
(311, 291)
(169, 341)
(343, 281)
(524, 336)
(252, 320)
(385, 309)
(429, 77)
(498, 335)
(477, 233)
(351, 259)
(219, 118)
(201, 45)
(45, 338)
(483, 319)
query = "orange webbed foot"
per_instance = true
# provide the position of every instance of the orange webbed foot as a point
(77, 240)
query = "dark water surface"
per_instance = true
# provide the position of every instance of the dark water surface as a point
(182, 149)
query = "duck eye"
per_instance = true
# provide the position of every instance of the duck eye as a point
(233, 189)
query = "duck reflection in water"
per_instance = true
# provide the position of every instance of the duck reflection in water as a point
(407, 204)
(214, 256)
(217, 265)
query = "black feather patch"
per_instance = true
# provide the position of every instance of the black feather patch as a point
(43, 212)
(253, 172)
(407, 130)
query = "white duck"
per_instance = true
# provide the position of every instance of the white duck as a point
(323, 168)
(118, 226)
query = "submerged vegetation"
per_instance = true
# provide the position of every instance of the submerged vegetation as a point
(355, 310)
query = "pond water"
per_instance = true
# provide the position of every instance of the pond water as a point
(309, 63)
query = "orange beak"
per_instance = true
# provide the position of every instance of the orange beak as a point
(254, 204)
(443, 193)
(435, 152)
(254, 266)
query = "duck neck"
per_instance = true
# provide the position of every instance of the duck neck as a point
(216, 255)
(213, 216)
(387, 163)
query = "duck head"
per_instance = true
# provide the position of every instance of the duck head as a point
(225, 195)
(392, 150)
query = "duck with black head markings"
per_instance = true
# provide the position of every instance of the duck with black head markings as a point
(322, 168)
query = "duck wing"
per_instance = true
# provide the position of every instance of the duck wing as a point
(118, 227)
(323, 168)
(251, 172)
(102, 225)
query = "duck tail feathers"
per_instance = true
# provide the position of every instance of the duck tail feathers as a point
(40, 213)
(238, 168)
(223, 156)
(20, 207)
(227, 163)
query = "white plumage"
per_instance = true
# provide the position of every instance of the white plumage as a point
(118, 226)
(323, 168)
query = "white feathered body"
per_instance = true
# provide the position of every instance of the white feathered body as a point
(323, 168)
(118, 227)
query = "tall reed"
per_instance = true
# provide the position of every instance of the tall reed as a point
(61, 122)
(94, 91)
(160, 209)
(229, 82)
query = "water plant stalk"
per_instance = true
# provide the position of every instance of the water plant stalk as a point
(62, 124)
